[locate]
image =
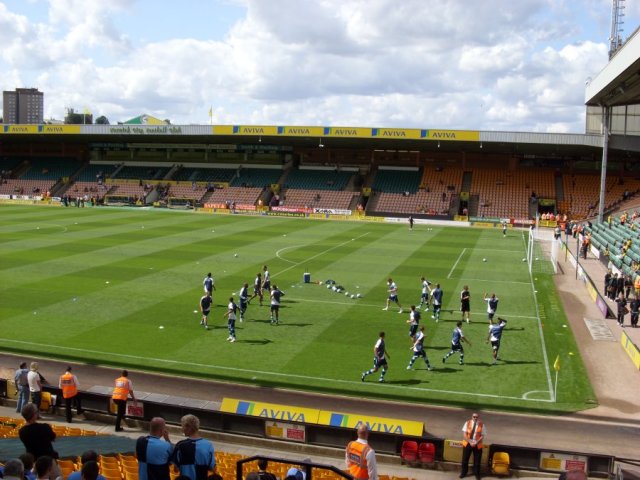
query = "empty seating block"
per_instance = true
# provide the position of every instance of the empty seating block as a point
(317, 179)
(397, 181)
(257, 177)
(318, 198)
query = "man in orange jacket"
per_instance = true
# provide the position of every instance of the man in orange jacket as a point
(69, 385)
(360, 457)
(121, 391)
(474, 432)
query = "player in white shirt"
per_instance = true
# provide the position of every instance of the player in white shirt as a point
(418, 350)
(232, 310)
(424, 296)
(392, 289)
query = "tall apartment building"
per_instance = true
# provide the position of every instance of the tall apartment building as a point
(25, 105)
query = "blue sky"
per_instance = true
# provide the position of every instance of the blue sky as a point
(490, 65)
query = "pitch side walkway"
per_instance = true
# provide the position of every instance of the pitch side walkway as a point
(612, 428)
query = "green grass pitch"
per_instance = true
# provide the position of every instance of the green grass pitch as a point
(95, 285)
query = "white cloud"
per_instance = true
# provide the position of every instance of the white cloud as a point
(494, 65)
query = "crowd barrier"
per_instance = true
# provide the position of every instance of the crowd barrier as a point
(212, 418)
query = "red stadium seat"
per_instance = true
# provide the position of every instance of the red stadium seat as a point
(427, 453)
(409, 452)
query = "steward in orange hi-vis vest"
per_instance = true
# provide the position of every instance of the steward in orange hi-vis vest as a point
(357, 453)
(121, 389)
(68, 385)
(477, 436)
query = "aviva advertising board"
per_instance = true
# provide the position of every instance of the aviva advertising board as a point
(347, 132)
(289, 413)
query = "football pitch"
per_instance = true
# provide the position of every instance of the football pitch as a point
(97, 285)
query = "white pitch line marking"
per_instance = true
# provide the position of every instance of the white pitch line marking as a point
(259, 372)
(287, 248)
(372, 305)
(540, 332)
(456, 264)
(319, 254)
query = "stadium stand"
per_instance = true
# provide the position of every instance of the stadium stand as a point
(192, 192)
(318, 198)
(91, 172)
(582, 197)
(397, 181)
(151, 172)
(317, 179)
(51, 170)
(257, 177)
(205, 174)
(239, 195)
(507, 194)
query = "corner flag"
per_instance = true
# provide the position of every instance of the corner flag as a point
(556, 364)
(210, 112)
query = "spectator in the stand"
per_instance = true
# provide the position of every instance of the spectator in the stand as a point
(90, 470)
(28, 461)
(262, 473)
(607, 280)
(360, 457)
(621, 310)
(37, 437)
(628, 285)
(86, 457)
(35, 383)
(620, 285)
(45, 468)
(14, 470)
(634, 307)
(154, 452)
(194, 456)
(22, 386)
(612, 287)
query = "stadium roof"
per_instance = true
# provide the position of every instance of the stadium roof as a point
(618, 83)
(361, 138)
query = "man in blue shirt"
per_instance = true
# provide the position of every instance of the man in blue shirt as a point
(22, 386)
(456, 343)
(436, 296)
(86, 457)
(244, 300)
(154, 452)
(495, 334)
(194, 456)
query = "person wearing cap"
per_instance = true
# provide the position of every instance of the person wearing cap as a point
(36, 437)
(474, 433)
(69, 385)
(35, 384)
(360, 457)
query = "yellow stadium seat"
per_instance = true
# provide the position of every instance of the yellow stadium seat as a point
(46, 402)
(500, 463)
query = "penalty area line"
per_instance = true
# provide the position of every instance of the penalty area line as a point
(456, 264)
(319, 254)
(305, 378)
